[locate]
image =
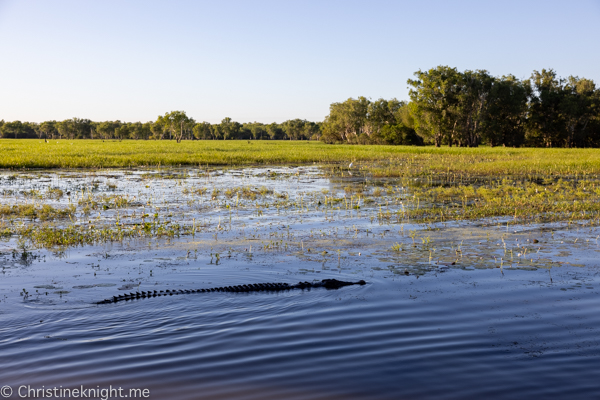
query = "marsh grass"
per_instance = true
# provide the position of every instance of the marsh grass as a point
(43, 212)
(54, 193)
(442, 164)
(50, 236)
(416, 194)
(523, 201)
(90, 202)
(247, 192)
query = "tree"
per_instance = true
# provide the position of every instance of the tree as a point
(545, 124)
(64, 128)
(312, 130)
(158, 129)
(176, 123)
(433, 102)
(217, 131)
(507, 112)
(82, 127)
(203, 131)
(257, 130)
(399, 134)
(107, 130)
(229, 129)
(36, 128)
(404, 116)
(138, 130)
(122, 131)
(578, 106)
(294, 129)
(346, 121)
(14, 129)
(274, 131)
(470, 108)
(380, 113)
(74, 128)
(367, 122)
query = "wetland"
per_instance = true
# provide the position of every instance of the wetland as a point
(480, 281)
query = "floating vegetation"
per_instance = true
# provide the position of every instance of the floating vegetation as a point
(310, 212)
(43, 212)
(54, 193)
(524, 201)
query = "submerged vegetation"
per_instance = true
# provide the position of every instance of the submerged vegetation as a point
(152, 204)
(547, 201)
(315, 201)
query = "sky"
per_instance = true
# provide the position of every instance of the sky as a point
(268, 61)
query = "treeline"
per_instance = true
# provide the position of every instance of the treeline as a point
(471, 108)
(447, 107)
(361, 121)
(175, 125)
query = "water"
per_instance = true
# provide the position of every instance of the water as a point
(421, 328)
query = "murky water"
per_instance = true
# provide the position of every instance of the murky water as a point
(461, 310)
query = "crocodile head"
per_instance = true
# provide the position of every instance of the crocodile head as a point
(334, 283)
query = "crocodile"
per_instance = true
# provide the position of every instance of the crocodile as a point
(253, 287)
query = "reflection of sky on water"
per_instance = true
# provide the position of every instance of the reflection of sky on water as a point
(454, 310)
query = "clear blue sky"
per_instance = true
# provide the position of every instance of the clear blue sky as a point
(267, 61)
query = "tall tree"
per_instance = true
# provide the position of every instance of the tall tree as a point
(229, 129)
(14, 129)
(122, 131)
(312, 130)
(434, 101)
(64, 128)
(578, 106)
(176, 123)
(507, 112)
(107, 129)
(203, 131)
(138, 130)
(82, 128)
(257, 130)
(294, 129)
(379, 114)
(74, 128)
(346, 121)
(546, 124)
(158, 129)
(470, 110)
(274, 131)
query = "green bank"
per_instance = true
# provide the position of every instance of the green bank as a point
(374, 159)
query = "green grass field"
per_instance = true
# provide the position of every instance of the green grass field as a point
(378, 160)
